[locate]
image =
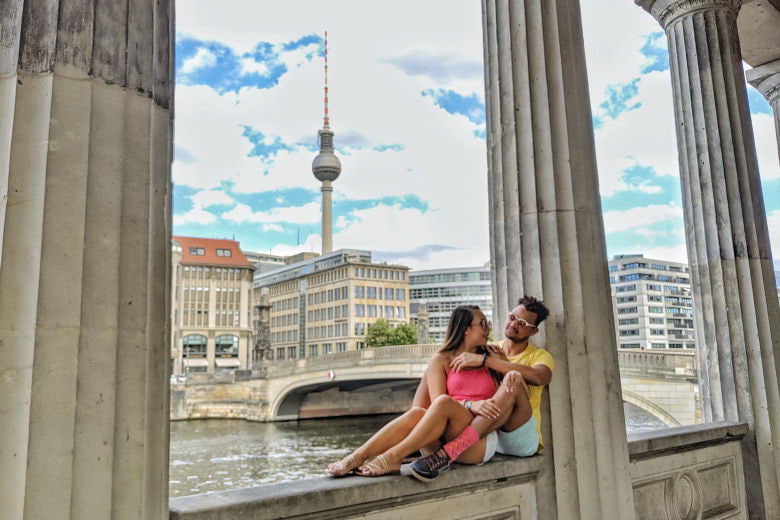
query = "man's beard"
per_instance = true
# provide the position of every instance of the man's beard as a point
(516, 337)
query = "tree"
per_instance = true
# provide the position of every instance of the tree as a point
(405, 334)
(382, 334)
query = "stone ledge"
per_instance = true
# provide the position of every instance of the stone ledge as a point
(335, 498)
(683, 438)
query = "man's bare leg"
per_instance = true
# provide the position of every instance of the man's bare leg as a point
(391, 434)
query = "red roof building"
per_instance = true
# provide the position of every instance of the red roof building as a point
(211, 251)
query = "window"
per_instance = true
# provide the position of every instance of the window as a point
(227, 345)
(197, 251)
(388, 311)
(360, 329)
(224, 252)
(627, 310)
(314, 351)
(360, 291)
(194, 345)
(360, 310)
(400, 312)
(341, 347)
(400, 294)
(371, 293)
(653, 287)
(629, 321)
(388, 293)
(292, 352)
(654, 298)
(626, 299)
(657, 332)
(656, 321)
(629, 332)
(657, 345)
(655, 310)
(327, 348)
(372, 309)
(625, 288)
(629, 345)
(280, 353)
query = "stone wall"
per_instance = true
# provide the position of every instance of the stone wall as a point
(682, 473)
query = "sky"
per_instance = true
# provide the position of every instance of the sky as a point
(407, 108)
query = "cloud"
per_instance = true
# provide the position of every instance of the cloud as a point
(656, 53)
(194, 216)
(272, 227)
(207, 198)
(453, 102)
(640, 217)
(620, 98)
(441, 68)
(422, 253)
(306, 214)
(203, 57)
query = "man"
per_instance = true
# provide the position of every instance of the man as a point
(518, 420)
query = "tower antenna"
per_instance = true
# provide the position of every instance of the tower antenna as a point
(326, 118)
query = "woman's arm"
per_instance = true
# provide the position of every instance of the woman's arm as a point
(436, 375)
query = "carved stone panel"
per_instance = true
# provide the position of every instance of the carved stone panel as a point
(701, 484)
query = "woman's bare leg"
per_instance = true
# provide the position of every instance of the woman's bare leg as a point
(422, 398)
(444, 415)
(391, 434)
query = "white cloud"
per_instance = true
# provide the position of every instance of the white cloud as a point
(202, 58)
(766, 146)
(272, 227)
(640, 217)
(206, 198)
(194, 216)
(675, 252)
(250, 66)
(306, 214)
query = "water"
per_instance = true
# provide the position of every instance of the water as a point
(226, 454)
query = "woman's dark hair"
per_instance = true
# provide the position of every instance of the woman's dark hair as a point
(460, 319)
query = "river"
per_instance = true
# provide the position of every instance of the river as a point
(213, 455)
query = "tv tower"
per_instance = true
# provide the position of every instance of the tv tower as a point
(326, 168)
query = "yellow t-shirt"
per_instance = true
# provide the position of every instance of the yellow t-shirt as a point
(535, 356)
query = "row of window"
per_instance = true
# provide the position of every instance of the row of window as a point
(647, 276)
(450, 292)
(284, 335)
(283, 287)
(285, 305)
(469, 276)
(196, 345)
(642, 265)
(328, 313)
(659, 345)
(375, 311)
(203, 269)
(376, 293)
(337, 330)
(339, 293)
(292, 352)
(284, 320)
(379, 274)
(653, 321)
(330, 276)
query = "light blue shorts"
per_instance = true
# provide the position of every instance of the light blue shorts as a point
(522, 442)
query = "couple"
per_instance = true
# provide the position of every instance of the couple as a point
(478, 399)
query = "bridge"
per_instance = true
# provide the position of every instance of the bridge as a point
(383, 380)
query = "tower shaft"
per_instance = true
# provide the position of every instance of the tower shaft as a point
(327, 217)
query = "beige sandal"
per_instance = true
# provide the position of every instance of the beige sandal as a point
(346, 466)
(377, 467)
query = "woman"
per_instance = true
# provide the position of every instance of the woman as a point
(467, 331)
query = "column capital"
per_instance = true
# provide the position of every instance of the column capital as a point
(766, 79)
(667, 11)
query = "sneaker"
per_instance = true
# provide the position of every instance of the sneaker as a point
(429, 467)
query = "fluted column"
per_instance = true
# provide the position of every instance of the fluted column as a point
(85, 150)
(728, 246)
(766, 78)
(548, 241)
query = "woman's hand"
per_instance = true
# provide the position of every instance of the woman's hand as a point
(486, 408)
(466, 360)
(514, 380)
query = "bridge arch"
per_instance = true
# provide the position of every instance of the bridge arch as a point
(650, 407)
(286, 402)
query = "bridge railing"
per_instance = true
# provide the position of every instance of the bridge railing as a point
(679, 362)
(417, 353)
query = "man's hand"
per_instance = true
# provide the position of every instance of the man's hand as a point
(513, 381)
(497, 351)
(466, 360)
(486, 408)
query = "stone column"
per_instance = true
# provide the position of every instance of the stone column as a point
(766, 78)
(85, 150)
(728, 246)
(548, 241)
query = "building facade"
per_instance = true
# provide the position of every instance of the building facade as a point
(652, 303)
(441, 290)
(210, 313)
(325, 304)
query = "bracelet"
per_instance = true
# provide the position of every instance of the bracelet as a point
(484, 359)
(468, 405)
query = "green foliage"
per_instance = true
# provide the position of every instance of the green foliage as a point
(381, 334)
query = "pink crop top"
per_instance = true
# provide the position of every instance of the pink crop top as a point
(474, 385)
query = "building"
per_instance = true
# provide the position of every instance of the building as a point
(211, 319)
(265, 261)
(325, 304)
(652, 302)
(441, 290)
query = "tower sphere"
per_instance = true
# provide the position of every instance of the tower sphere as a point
(326, 166)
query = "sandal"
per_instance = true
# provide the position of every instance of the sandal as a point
(377, 467)
(346, 466)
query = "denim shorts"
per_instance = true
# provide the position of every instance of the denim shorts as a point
(522, 442)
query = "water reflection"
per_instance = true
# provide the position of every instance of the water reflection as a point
(223, 454)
